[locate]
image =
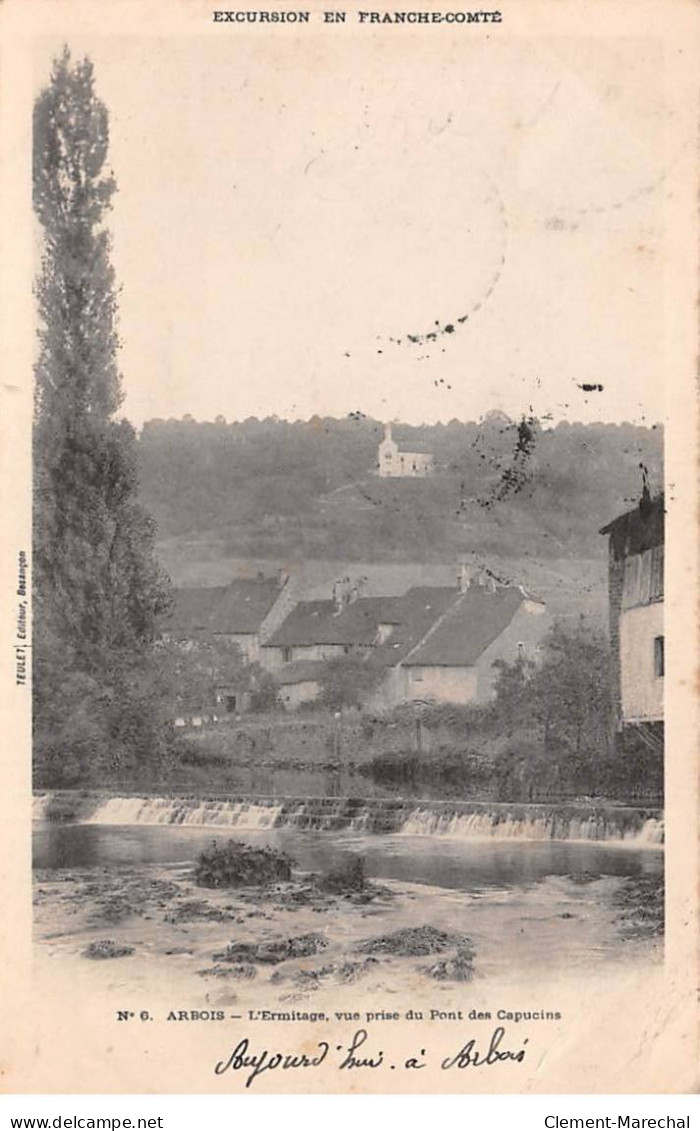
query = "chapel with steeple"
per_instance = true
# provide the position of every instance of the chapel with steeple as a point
(395, 462)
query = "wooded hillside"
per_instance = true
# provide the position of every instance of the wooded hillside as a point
(308, 489)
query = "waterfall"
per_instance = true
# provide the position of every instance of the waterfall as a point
(185, 811)
(40, 804)
(652, 831)
(462, 820)
(607, 825)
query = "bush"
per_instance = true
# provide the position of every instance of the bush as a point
(566, 702)
(273, 951)
(410, 942)
(461, 769)
(265, 693)
(190, 755)
(107, 948)
(240, 865)
(400, 767)
(523, 772)
(348, 682)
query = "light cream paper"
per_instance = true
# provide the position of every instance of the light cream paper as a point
(296, 199)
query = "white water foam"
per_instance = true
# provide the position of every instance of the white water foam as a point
(490, 825)
(497, 823)
(40, 803)
(166, 811)
(652, 832)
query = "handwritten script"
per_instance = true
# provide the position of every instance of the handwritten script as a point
(359, 1055)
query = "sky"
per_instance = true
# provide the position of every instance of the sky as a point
(295, 209)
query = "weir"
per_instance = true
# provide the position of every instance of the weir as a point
(467, 820)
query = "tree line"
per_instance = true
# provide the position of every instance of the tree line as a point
(307, 488)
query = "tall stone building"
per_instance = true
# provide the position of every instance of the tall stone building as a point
(636, 605)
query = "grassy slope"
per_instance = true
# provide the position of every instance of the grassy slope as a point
(570, 586)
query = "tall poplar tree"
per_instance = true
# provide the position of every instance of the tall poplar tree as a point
(98, 588)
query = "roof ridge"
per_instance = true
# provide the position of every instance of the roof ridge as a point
(433, 628)
(467, 629)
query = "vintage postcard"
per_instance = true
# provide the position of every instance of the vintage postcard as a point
(350, 585)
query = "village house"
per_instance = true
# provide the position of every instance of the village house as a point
(395, 461)
(344, 625)
(434, 643)
(243, 613)
(636, 609)
(454, 660)
(246, 612)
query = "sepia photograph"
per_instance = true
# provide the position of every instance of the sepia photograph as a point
(342, 624)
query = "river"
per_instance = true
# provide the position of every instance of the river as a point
(465, 864)
(536, 887)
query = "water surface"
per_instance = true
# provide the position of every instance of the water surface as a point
(466, 865)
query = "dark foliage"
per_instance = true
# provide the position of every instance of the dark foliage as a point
(107, 948)
(414, 941)
(563, 705)
(525, 773)
(98, 590)
(274, 951)
(456, 770)
(233, 864)
(187, 674)
(348, 682)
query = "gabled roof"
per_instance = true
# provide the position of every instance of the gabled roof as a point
(639, 529)
(309, 622)
(239, 608)
(418, 610)
(319, 622)
(247, 601)
(475, 620)
(382, 610)
(459, 627)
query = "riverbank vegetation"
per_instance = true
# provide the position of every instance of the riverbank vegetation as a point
(549, 734)
(547, 737)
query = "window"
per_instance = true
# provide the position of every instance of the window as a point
(346, 649)
(659, 659)
(417, 675)
(230, 703)
(286, 655)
